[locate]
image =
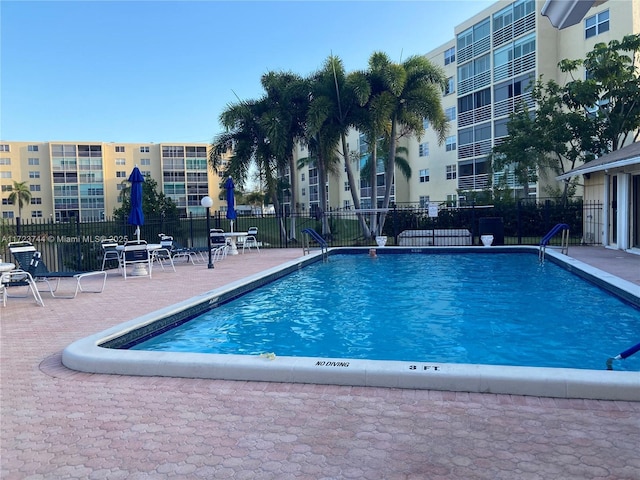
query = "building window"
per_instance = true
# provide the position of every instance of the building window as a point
(32, 148)
(5, 161)
(8, 214)
(121, 174)
(597, 24)
(36, 201)
(36, 214)
(121, 161)
(424, 149)
(5, 201)
(146, 173)
(5, 174)
(4, 147)
(450, 143)
(302, 177)
(304, 191)
(425, 123)
(34, 188)
(6, 188)
(450, 55)
(34, 161)
(144, 149)
(145, 161)
(450, 87)
(424, 201)
(34, 174)
(119, 149)
(450, 113)
(424, 175)
(451, 172)
(119, 187)
(347, 188)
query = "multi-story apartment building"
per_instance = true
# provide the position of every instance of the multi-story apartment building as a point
(490, 63)
(85, 179)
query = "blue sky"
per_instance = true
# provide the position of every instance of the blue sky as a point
(163, 71)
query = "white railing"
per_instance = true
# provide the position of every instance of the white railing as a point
(473, 182)
(513, 30)
(507, 106)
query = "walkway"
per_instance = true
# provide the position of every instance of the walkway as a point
(57, 423)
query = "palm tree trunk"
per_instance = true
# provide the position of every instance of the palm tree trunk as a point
(273, 190)
(353, 187)
(293, 181)
(373, 179)
(389, 171)
(322, 192)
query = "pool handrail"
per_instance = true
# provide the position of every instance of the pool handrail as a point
(627, 353)
(310, 232)
(564, 242)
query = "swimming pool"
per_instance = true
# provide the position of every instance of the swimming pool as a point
(423, 372)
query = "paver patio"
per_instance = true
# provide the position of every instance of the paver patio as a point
(57, 423)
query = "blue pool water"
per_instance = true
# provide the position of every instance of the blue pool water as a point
(499, 309)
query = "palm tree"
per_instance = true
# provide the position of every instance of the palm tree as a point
(287, 102)
(412, 90)
(349, 95)
(20, 193)
(263, 132)
(337, 101)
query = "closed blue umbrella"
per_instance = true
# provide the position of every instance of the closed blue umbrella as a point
(136, 217)
(231, 201)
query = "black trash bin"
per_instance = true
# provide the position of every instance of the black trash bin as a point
(492, 226)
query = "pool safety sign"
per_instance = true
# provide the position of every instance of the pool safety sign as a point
(433, 210)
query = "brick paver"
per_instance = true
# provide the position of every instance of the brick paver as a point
(57, 423)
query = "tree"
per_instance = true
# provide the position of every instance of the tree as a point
(287, 99)
(402, 95)
(155, 204)
(263, 132)
(327, 123)
(20, 194)
(577, 122)
(349, 95)
(610, 96)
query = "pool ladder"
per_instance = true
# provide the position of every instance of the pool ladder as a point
(564, 241)
(310, 233)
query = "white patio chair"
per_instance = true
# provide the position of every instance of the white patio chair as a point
(164, 254)
(251, 241)
(136, 253)
(110, 252)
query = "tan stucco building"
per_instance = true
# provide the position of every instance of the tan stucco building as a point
(490, 61)
(85, 179)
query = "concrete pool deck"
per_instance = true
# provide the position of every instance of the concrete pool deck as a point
(60, 423)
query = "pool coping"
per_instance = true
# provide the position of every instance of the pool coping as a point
(87, 355)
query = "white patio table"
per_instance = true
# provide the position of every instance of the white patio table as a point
(139, 269)
(233, 238)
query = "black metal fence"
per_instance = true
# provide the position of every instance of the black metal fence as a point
(76, 246)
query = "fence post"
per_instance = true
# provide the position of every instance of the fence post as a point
(519, 220)
(79, 245)
(473, 222)
(395, 224)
